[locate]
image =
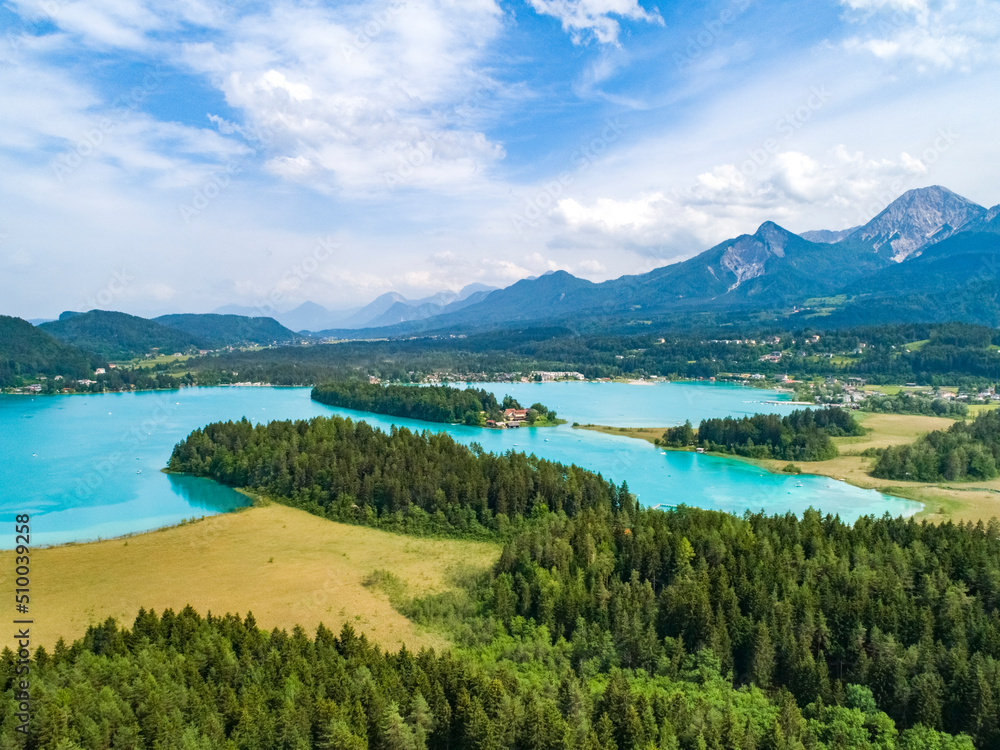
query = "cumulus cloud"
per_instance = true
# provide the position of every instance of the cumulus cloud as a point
(584, 19)
(931, 34)
(360, 98)
(727, 201)
(370, 97)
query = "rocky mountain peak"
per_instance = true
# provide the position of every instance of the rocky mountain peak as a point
(916, 219)
(747, 256)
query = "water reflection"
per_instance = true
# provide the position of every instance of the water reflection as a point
(205, 494)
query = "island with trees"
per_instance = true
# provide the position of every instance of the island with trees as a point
(434, 403)
(803, 435)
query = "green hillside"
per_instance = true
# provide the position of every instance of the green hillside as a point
(117, 335)
(217, 331)
(26, 352)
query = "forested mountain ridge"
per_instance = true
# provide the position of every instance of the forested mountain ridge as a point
(27, 352)
(117, 335)
(216, 331)
(909, 611)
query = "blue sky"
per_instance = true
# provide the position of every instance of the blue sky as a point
(159, 159)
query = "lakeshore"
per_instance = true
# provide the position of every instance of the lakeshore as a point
(943, 501)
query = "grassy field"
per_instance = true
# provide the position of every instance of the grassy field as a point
(642, 433)
(161, 359)
(286, 566)
(976, 409)
(955, 501)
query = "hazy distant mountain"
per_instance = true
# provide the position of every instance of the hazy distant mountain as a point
(308, 316)
(117, 335)
(216, 331)
(442, 304)
(387, 309)
(827, 236)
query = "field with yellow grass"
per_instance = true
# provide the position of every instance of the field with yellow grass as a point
(285, 565)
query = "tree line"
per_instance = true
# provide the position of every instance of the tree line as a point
(895, 615)
(911, 403)
(803, 435)
(954, 354)
(180, 680)
(965, 451)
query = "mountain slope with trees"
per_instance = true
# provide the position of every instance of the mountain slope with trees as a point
(117, 335)
(216, 331)
(27, 352)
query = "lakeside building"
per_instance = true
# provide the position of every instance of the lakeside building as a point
(547, 376)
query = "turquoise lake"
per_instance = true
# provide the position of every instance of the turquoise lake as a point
(88, 467)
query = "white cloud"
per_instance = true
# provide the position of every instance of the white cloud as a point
(360, 98)
(792, 189)
(931, 34)
(874, 5)
(610, 215)
(585, 18)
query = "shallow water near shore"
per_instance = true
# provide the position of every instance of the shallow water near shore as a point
(89, 466)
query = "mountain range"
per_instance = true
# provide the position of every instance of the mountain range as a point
(931, 255)
(388, 309)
